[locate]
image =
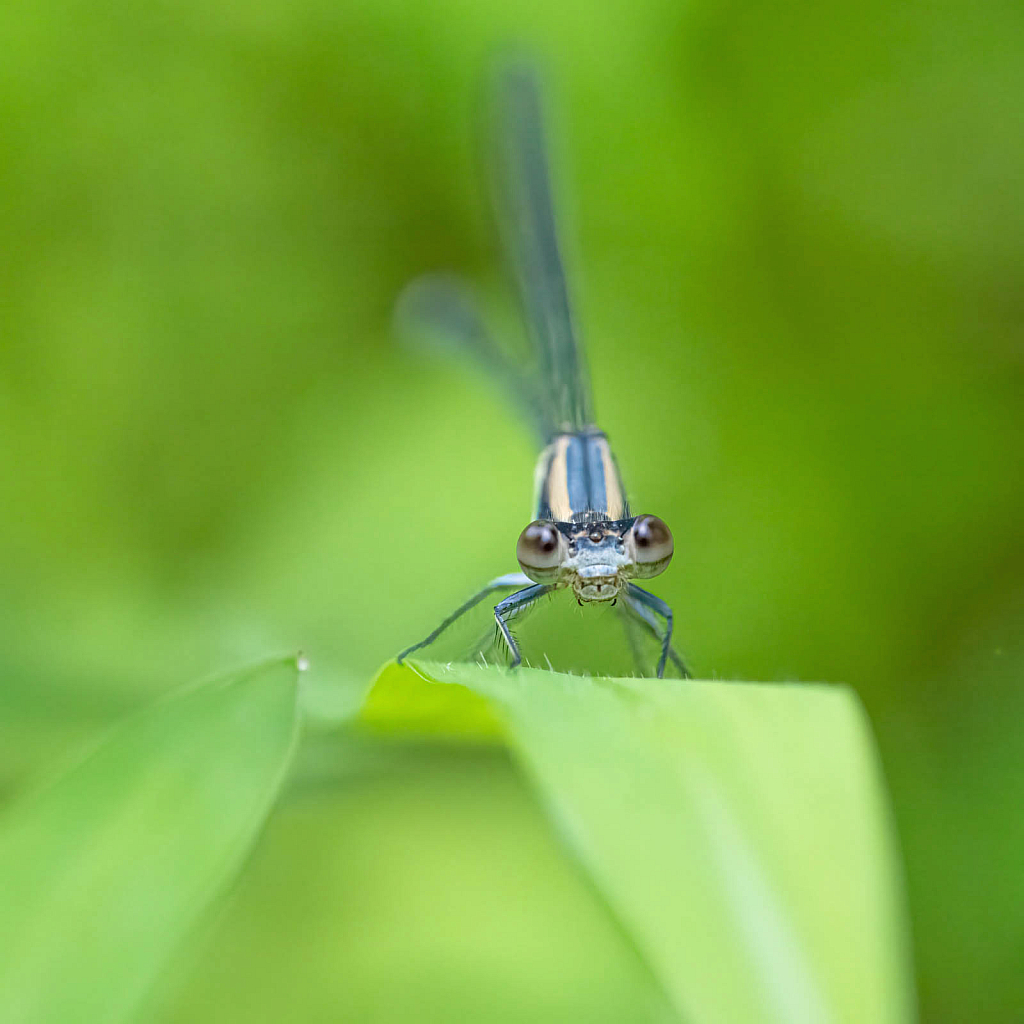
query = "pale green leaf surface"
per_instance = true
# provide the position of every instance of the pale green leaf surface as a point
(740, 832)
(108, 867)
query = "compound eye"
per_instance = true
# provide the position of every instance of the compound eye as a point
(540, 547)
(652, 540)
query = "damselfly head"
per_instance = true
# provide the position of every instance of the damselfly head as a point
(596, 558)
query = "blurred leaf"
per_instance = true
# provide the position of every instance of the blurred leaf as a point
(738, 831)
(424, 888)
(107, 868)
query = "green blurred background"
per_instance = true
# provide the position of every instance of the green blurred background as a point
(799, 252)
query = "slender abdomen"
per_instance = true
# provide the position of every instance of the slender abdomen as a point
(577, 480)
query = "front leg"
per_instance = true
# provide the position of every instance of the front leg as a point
(659, 607)
(512, 579)
(633, 610)
(512, 604)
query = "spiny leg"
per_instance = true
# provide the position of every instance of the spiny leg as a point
(635, 612)
(646, 606)
(504, 610)
(512, 579)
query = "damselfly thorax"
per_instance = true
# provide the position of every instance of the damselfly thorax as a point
(577, 480)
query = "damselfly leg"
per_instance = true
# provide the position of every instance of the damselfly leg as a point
(637, 610)
(506, 582)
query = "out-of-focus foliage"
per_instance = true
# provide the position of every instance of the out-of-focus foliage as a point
(738, 832)
(799, 252)
(108, 868)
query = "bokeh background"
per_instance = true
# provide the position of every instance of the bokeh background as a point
(798, 247)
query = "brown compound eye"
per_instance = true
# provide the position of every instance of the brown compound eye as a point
(541, 548)
(652, 542)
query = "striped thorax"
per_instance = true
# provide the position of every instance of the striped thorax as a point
(577, 480)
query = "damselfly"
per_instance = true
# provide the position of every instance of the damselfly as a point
(584, 535)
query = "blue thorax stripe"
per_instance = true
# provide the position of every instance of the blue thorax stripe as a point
(578, 481)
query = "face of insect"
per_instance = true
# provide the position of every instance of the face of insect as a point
(596, 559)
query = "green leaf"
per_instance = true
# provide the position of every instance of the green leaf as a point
(107, 868)
(739, 832)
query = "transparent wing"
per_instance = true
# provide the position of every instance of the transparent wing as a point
(438, 311)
